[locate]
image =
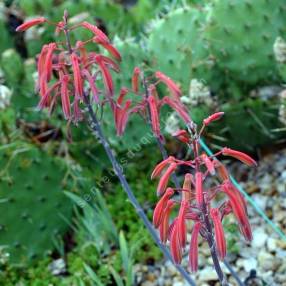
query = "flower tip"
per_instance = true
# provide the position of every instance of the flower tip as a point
(182, 135)
(214, 117)
(239, 156)
(28, 24)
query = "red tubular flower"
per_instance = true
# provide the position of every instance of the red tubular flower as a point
(66, 106)
(187, 187)
(60, 26)
(83, 52)
(161, 205)
(209, 163)
(111, 49)
(193, 254)
(41, 62)
(164, 226)
(154, 115)
(239, 195)
(25, 26)
(222, 171)
(213, 117)
(78, 84)
(175, 245)
(123, 92)
(238, 210)
(96, 31)
(178, 107)
(107, 78)
(109, 62)
(181, 223)
(219, 233)
(240, 156)
(43, 85)
(92, 85)
(182, 135)
(45, 99)
(76, 110)
(121, 117)
(135, 79)
(153, 91)
(199, 188)
(171, 228)
(175, 90)
(161, 166)
(165, 179)
(48, 69)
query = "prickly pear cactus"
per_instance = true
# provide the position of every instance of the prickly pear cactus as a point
(241, 34)
(177, 47)
(132, 54)
(34, 207)
(279, 49)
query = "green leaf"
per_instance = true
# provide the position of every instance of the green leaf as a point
(116, 276)
(92, 275)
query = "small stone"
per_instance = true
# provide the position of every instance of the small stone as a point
(57, 267)
(260, 200)
(144, 268)
(249, 264)
(171, 269)
(208, 274)
(281, 278)
(259, 238)
(266, 260)
(151, 277)
(271, 244)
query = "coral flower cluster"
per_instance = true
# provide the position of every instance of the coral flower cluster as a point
(71, 74)
(68, 73)
(200, 208)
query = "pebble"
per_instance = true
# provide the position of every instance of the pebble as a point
(207, 274)
(57, 267)
(249, 264)
(259, 238)
(271, 244)
(265, 260)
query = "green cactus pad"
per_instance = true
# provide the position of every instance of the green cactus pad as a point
(33, 206)
(177, 47)
(241, 34)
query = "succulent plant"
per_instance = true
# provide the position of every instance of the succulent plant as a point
(279, 49)
(36, 209)
(241, 34)
(177, 46)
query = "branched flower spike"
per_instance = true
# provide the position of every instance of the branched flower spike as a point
(65, 70)
(197, 200)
